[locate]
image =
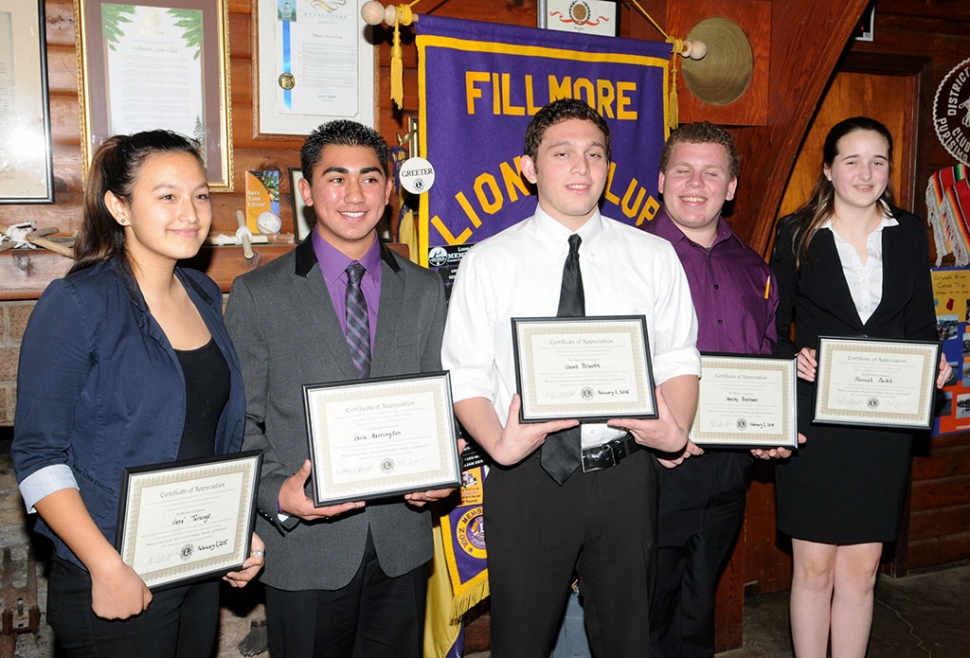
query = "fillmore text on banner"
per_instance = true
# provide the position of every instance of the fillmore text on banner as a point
(480, 85)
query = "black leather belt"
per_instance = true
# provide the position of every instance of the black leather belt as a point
(609, 454)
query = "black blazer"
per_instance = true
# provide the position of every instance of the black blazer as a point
(817, 296)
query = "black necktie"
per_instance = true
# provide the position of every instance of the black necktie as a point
(358, 324)
(561, 454)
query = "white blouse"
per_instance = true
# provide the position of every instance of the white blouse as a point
(865, 280)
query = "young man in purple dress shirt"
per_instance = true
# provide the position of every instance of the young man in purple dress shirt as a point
(348, 579)
(702, 500)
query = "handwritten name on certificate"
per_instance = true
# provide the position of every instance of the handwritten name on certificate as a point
(188, 521)
(872, 382)
(381, 437)
(591, 368)
(185, 521)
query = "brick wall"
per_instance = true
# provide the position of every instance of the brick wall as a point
(13, 320)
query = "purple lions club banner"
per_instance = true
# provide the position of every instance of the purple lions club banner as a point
(481, 83)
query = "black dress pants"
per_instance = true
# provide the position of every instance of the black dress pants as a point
(374, 616)
(599, 525)
(701, 512)
(181, 622)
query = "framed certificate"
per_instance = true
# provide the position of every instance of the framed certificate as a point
(879, 383)
(591, 368)
(26, 156)
(185, 521)
(746, 401)
(304, 218)
(156, 64)
(313, 61)
(381, 437)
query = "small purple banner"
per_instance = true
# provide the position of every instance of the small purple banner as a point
(481, 83)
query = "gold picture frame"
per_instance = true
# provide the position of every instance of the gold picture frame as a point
(172, 73)
(26, 156)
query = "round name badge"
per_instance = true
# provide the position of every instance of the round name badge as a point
(417, 175)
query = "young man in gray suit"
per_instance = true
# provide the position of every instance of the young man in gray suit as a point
(348, 579)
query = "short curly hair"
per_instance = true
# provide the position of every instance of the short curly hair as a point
(557, 112)
(702, 132)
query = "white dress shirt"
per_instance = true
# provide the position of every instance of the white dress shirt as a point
(518, 273)
(864, 280)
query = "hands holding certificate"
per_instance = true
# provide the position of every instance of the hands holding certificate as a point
(293, 500)
(422, 498)
(807, 365)
(663, 433)
(519, 440)
(252, 566)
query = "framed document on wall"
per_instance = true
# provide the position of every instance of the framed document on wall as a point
(313, 62)
(156, 64)
(26, 164)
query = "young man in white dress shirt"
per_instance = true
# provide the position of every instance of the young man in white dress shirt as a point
(599, 521)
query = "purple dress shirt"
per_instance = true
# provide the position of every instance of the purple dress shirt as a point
(333, 265)
(733, 289)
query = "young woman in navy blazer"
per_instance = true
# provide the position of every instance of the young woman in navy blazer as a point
(126, 362)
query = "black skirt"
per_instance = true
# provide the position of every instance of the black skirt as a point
(845, 485)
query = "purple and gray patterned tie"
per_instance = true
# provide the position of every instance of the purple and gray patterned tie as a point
(358, 326)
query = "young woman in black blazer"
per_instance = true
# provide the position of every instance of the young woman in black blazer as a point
(848, 263)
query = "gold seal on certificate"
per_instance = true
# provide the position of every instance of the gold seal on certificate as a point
(381, 437)
(287, 81)
(879, 383)
(746, 401)
(184, 521)
(589, 368)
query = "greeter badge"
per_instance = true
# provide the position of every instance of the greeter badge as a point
(417, 175)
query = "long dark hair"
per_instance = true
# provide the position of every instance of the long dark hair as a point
(114, 169)
(821, 204)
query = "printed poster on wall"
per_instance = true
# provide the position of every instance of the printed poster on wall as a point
(951, 290)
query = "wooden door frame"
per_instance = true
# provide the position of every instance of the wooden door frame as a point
(921, 112)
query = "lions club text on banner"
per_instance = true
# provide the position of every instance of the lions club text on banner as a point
(481, 83)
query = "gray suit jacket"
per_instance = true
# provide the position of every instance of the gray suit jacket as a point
(284, 327)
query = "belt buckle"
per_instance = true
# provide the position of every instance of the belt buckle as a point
(604, 453)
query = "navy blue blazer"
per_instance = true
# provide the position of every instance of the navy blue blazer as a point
(100, 388)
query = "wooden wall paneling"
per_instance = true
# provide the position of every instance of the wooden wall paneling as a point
(937, 33)
(807, 38)
(955, 10)
(935, 551)
(768, 554)
(939, 522)
(945, 461)
(754, 19)
(943, 492)
(60, 22)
